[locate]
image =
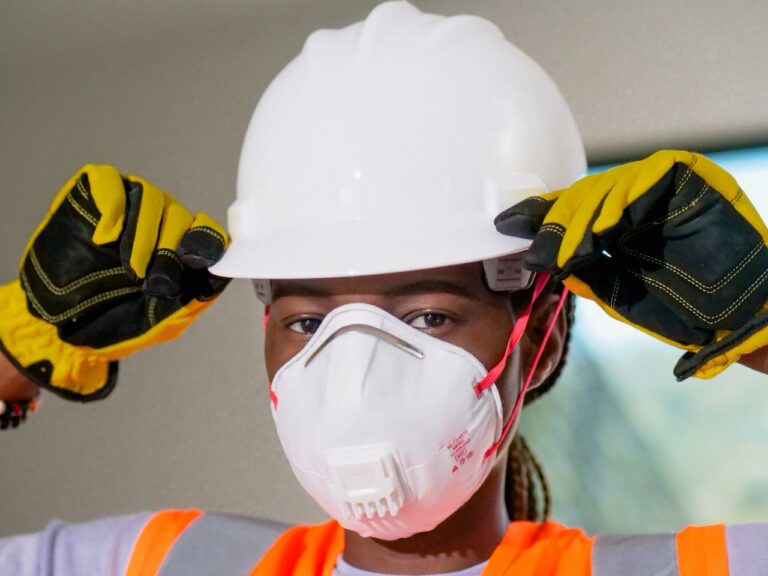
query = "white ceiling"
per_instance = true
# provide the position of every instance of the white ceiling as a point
(639, 75)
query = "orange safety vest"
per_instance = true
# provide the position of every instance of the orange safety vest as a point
(528, 549)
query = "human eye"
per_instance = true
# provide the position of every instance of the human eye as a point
(429, 321)
(307, 326)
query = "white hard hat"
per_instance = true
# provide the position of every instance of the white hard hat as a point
(390, 145)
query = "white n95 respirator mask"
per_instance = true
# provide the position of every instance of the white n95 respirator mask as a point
(389, 429)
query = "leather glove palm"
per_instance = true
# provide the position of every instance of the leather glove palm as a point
(116, 265)
(669, 244)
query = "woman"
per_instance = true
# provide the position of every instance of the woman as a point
(403, 332)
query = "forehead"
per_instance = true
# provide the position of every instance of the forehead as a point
(465, 280)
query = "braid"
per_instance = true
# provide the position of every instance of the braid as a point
(526, 485)
(532, 507)
(516, 484)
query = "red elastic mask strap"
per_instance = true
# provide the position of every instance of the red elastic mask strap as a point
(514, 339)
(272, 395)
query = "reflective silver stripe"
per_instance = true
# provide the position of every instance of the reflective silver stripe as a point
(747, 549)
(651, 555)
(221, 544)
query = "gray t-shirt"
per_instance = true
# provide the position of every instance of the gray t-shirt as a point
(344, 569)
(103, 547)
(224, 545)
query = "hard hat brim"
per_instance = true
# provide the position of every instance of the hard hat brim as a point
(362, 248)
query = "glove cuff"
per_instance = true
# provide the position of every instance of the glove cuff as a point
(714, 358)
(34, 347)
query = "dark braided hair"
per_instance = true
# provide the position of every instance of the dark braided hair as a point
(526, 490)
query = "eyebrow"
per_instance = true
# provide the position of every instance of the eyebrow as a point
(431, 286)
(423, 286)
(299, 289)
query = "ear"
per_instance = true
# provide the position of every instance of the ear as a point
(541, 316)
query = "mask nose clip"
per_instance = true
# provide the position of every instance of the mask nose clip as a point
(366, 481)
(373, 331)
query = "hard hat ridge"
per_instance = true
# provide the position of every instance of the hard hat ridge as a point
(397, 21)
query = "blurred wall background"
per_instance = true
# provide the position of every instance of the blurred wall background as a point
(165, 90)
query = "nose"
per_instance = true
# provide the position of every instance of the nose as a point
(373, 331)
(347, 363)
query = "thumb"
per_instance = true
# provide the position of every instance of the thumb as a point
(524, 219)
(204, 243)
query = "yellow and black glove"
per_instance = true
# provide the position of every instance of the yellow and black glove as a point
(669, 244)
(116, 265)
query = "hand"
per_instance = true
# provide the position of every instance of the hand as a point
(18, 395)
(116, 265)
(669, 244)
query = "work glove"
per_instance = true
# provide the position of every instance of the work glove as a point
(116, 265)
(669, 244)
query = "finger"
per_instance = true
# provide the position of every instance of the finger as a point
(545, 252)
(165, 274)
(177, 220)
(524, 219)
(104, 185)
(633, 181)
(146, 203)
(603, 205)
(204, 243)
(727, 186)
(541, 256)
(573, 214)
(204, 285)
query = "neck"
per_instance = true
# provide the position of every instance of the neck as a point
(465, 539)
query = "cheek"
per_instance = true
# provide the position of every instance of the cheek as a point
(510, 382)
(271, 359)
(277, 350)
(488, 344)
(487, 340)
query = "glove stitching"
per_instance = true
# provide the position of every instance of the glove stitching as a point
(81, 187)
(712, 355)
(615, 292)
(51, 319)
(151, 311)
(738, 196)
(209, 231)
(555, 228)
(171, 254)
(703, 287)
(81, 210)
(666, 218)
(699, 314)
(62, 290)
(687, 175)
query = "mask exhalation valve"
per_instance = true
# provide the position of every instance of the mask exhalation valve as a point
(366, 480)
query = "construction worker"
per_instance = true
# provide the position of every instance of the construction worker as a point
(412, 211)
